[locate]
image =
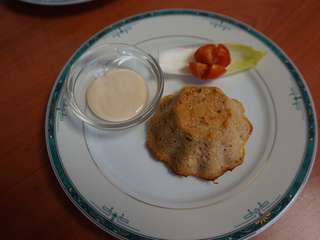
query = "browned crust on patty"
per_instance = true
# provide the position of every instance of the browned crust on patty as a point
(199, 132)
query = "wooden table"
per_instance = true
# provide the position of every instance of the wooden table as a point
(35, 43)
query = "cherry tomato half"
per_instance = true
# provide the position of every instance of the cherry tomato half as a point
(206, 72)
(206, 54)
(198, 69)
(210, 61)
(215, 71)
(223, 55)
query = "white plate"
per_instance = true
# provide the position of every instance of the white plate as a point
(114, 181)
(55, 2)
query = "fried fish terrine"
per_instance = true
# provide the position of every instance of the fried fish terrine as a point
(200, 132)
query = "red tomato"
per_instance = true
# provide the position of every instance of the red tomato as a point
(223, 55)
(215, 71)
(211, 61)
(206, 54)
(198, 69)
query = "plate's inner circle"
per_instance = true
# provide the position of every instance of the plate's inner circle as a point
(124, 160)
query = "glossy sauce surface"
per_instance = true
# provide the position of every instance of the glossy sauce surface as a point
(118, 95)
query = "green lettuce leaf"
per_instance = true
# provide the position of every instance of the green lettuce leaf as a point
(243, 57)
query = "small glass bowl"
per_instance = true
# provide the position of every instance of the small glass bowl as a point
(96, 62)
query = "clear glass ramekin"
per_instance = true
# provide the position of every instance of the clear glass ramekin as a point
(97, 61)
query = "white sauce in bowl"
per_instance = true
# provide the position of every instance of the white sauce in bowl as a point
(118, 95)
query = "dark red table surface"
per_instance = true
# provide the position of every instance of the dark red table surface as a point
(35, 43)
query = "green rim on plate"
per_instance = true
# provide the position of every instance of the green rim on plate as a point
(246, 230)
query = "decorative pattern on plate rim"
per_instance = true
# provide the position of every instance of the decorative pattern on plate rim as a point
(114, 216)
(220, 24)
(117, 230)
(297, 100)
(258, 213)
(121, 30)
(61, 111)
